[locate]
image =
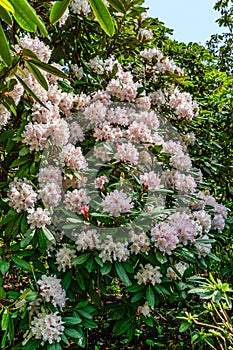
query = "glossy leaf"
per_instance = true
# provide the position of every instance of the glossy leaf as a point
(26, 17)
(103, 16)
(122, 274)
(58, 10)
(4, 47)
(7, 5)
(5, 15)
(37, 75)
(26, 87)
(117, 5)
(48, 68)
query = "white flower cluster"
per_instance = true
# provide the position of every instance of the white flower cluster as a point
(150, 180)
(100, 181)
(180, 267)
(148, 274)
(64, 257)
(145, 310)
(116, 203)
(48, 327)
(21, 195)
(113, 251)
(4, 116)
(160, 63)
(52, 291)
(50, 181)
(80, 7)
(38, 218)
(183, 105)
(72, 157)
(76, 199)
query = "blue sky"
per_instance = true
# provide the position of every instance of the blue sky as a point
(192, 20)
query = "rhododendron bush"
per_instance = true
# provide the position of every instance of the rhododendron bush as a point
(96, 183)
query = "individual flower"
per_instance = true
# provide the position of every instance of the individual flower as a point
(50, 194)
(50, 174)
(180, 267)
(139, 243)
(87, 240)
(35, 136)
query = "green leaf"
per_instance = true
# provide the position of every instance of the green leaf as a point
(122, 274)
(121, 327)
(48, 68)
(37, 74)
(7, 5)
(21, 263)
(150, 296)
(69, 321)
(160, 257)
(81, 259)
(32, 344)
(67, 279)
(25, 241)
(5, 320)
(48, 234)
(58, 9)
(103, 16)
(73, 333)
(4, 265)
(29, 53)
(105, 269)
(4, 14)
(184, 326)
(117, 5)
(4, 48)
(30, 91)
(26, 17)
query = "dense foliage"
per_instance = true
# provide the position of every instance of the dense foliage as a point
(96, 183)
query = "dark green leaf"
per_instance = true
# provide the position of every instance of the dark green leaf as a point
(73, 333)
(48, 68)
(105, 269)
(69, 321)
(122, 274)
(37, 75)
(117, 5)
(150, 296)
(30, 91)
(81, 259)
(21, 263)
(4, 14)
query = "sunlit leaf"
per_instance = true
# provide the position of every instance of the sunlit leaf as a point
(103, 16)
(58, 10)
